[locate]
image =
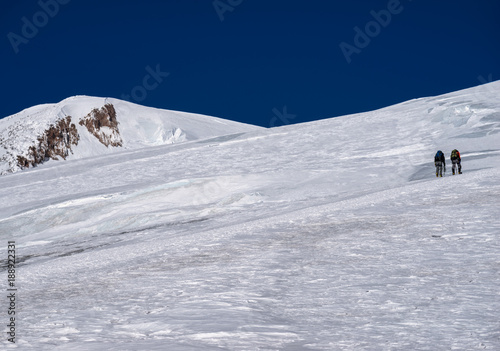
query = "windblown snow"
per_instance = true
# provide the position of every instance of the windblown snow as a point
(329, 235)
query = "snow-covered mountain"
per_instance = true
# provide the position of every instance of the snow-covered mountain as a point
(83, 126)
(329, 235)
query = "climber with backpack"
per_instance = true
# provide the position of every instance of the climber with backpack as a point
(456, 162)
(440, 163)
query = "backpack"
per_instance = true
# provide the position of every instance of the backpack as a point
(455, 154)
(438, 156)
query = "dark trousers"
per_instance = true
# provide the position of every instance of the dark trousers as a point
(456, 164)
(439, 168)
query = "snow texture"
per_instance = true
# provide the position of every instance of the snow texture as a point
(329, 235)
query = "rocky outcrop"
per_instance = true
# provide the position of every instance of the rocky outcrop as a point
(102, 123)
(55, 142)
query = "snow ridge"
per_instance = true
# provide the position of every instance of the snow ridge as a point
(83, 126)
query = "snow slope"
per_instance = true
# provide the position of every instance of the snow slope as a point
(138, 127)
(330, 235)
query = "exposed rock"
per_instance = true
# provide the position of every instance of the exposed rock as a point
(56, 141)
(102, 123)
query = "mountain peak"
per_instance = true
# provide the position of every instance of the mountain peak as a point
(85, 126)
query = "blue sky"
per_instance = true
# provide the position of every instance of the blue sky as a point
(267, 63)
